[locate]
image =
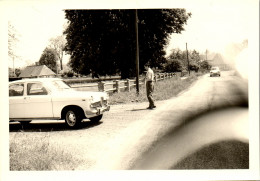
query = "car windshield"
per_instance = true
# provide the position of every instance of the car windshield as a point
(60, 84)
(214, 68)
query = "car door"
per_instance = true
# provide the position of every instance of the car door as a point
(38, 102)
(16, 100)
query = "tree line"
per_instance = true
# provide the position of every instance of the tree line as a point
(178, 61)
(102, 42)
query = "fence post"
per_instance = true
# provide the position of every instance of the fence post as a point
(101, 86)
(127, 84)
(117, 86)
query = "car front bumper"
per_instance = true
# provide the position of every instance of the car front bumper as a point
(214, 73)
(96, 111)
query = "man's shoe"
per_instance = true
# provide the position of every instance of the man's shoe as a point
(151, 107)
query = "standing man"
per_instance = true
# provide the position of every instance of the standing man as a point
(149, 79)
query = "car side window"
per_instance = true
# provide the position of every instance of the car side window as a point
(36, 89)
(16, 90)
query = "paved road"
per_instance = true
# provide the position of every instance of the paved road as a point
(128, 131)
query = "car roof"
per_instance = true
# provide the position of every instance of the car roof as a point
(35, 80)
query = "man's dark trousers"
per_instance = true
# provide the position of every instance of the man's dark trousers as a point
(149, 93)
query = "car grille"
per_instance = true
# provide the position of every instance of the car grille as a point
(100, 103)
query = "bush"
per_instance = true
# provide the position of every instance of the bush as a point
(68, 74)
(173, 66)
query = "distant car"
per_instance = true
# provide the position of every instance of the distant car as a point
(214, 71)
(52, 98)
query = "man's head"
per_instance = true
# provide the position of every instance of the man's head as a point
(146, 66)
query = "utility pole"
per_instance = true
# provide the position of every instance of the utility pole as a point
(137, 53)
(188, 59)
(206, 54)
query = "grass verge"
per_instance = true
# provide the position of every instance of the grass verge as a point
(222, 155)
(163, 90)
(35, 153)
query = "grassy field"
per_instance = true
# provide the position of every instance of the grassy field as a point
(222, 155)
(42, 156)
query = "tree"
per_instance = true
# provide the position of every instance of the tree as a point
(173, 65)
(58, 44)
(205, 65)
(17, 72)
(103, 41)
(194, 67)
(13, 38)
(49, 58)
(195, 57)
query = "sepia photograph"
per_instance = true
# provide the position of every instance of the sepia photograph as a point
(133, 90)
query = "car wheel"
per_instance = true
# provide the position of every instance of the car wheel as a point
(73, 118)
(96, 119)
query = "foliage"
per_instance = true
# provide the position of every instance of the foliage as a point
(58, 44)
(69, 74)
(205, 65)
(194, 58)
(173, 65)
(103, 42)
(17, 72)
(194, 67)
(180, 56)
(49, 58)
(12, 40)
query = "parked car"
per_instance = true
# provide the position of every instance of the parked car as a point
(214, 71)
(52, 98)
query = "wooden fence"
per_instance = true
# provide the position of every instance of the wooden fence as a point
(118, 85)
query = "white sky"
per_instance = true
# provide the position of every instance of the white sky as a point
(36, 25)
(213, 25)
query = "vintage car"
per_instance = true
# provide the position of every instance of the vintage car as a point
(214, 71)
(52, 98)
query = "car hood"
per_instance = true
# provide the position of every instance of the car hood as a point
(213, 71)
(79, 94)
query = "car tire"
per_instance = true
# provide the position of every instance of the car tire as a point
(73, 118)
(96, 119)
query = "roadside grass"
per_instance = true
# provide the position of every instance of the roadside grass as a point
(163, 90)
(222, 155)
(36, 154)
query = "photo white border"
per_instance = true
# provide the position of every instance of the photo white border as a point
(252, 174)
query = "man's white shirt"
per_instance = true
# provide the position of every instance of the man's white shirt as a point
(149, 75)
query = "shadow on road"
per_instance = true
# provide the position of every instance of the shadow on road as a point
(47, 127)
(139, 109)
